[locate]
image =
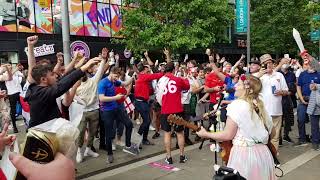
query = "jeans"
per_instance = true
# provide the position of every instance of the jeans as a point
(118, 127)
(315, 129)
(302, 116)
(108, 118)
(144, 109)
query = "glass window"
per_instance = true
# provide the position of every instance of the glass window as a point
(104, 20)
(8, 20)
(116, 19)
(90, 18)
(44, 22)
(76, 17)
(25, 16)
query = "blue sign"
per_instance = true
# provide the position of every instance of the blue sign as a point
(241, 16)
(315, 35)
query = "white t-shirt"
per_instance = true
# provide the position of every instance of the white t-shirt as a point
(14, 85)
(251, 129)
(186, 95)
(273, 103)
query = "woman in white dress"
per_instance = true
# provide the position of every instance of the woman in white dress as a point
(248, 126)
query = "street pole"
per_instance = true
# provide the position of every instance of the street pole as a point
(248, 37)
(65, 31)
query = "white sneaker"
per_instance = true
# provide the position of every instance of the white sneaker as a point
(114, 147)
(151, 128)
(79, 157)
(89, 152)
(120, 143)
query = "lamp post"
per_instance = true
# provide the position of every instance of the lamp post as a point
(248, 36)
(65, 31)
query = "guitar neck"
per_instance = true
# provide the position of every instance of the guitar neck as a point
(192, 126)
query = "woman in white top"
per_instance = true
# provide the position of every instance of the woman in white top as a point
(248, 126)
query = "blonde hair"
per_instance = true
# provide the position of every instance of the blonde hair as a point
(253, 87)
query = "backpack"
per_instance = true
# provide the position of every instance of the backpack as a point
(161, 85)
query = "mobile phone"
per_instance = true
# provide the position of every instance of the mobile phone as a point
(286, 56)
(264, 66)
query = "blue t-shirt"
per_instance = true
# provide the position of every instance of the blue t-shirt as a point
(305, 79)
(107, 88)
(229, 88)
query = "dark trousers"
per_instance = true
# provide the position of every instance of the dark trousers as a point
(13, 99)
(314, 119)
(108, 118)
(302, 116)
(143, 108)
(118, 127)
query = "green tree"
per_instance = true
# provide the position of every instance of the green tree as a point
(313, 10)
(177, 25)
(272, 22)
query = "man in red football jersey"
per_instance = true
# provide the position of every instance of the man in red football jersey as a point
(141, 94)
(171, 104)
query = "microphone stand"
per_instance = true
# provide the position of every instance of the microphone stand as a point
(213, 121)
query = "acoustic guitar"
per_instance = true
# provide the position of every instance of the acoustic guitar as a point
(226, 145)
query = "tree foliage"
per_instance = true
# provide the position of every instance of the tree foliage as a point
(177, 25)
(272, 22)
(313, 10)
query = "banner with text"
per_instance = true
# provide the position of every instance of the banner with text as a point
(241, 16)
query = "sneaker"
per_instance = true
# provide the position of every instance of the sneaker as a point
(89, 152)
(183, 159)
(110, 158)
(151, 128)
(79, 157)
(287, 139)
(168, 160)
(114, 147)
(120, 143)
(300, 143)
(156, 135)
(315, 147)
(147, 142)
(93, 149)
(133, 150)
(138, 122)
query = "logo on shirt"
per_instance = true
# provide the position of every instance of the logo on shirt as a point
(80, 46)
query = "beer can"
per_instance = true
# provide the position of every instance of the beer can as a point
(40, 147)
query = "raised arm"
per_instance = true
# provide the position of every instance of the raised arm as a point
(148, 58)
(167, 54)
(237, 63)
(32, 40)
(104, 56)
(77, 56)
(221, 76)
(57, 67)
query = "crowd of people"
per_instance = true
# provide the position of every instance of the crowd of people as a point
(259, 98)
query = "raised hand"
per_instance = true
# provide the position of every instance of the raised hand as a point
(166, 52)
(104, 53)
(32, 40)
(146, 54)
(4, 138)
(90, 63)
(60, 57)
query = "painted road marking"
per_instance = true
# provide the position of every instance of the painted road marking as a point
(140, 163)
(298, 161)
